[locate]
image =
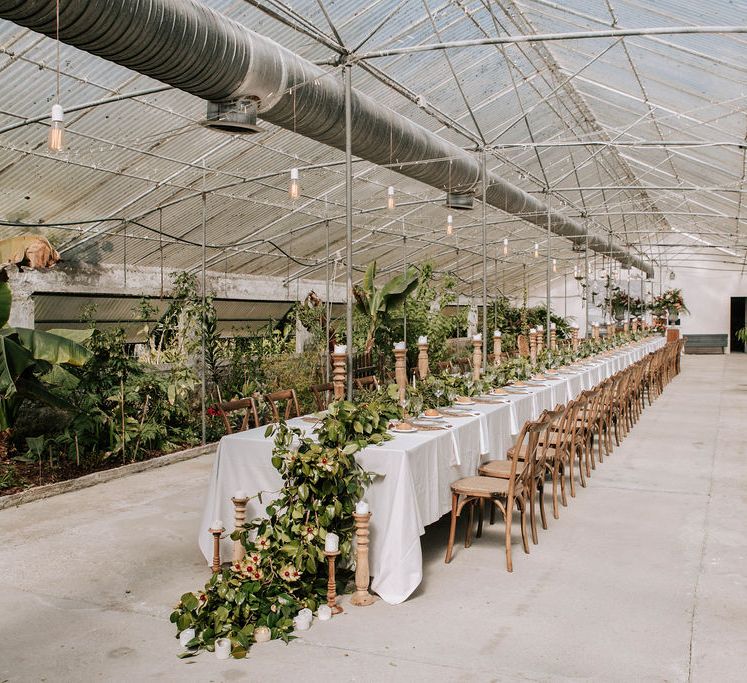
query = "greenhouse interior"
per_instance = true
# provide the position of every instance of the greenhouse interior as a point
(373, 341)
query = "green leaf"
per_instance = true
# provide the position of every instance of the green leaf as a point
(303, 491)
(6, 300)
(350, 449)
(52, 348)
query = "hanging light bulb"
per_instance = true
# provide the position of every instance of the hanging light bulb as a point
(555, 265)
(536, 250)
(294, 189)
(56, 135)
(505, 246)
(390, 204)
(449, 224)
(575, 271)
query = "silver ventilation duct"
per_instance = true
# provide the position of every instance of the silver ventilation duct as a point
(191, 47)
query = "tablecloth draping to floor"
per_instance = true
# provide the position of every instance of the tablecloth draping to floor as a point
(415, 470)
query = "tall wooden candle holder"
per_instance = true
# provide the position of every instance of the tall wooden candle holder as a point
(361, 597)
(497, 348)
(400, 370)
(339, 378)
(331, 586)
(423, 360)
(574, 339)
(553, 337)
(540, 339)
(476, 358)
(217, 533)
(533, 345)
(239, 517)
(634, 325)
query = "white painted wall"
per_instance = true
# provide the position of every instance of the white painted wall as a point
(707, 295)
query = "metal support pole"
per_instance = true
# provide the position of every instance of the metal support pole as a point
(203, 386)
(587, 288)
(347, 69)
(327, 311)
(484, 260)
(549, 271)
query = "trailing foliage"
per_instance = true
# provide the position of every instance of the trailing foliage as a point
(284, 569)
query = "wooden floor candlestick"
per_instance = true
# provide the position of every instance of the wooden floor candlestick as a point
(331, 586)
(339, 374)
(217, 533)
(239, 517)
(362, 597)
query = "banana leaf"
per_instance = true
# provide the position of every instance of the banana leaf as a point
(52, 348)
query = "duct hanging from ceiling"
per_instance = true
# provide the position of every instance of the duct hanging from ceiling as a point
(193, 48)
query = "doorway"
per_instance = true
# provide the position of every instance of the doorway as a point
(738, 306)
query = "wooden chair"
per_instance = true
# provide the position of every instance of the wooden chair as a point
(291, 403)
(248, 405)
(369, 383)
(502, 493)
(323, 393)
(443, 366)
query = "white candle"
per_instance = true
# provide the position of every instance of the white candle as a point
(540, 328)
(262, 634)
(222, 648)
(185, 636)
(399, 346)
(341, 348)
(324, 613)
(306, 614)
(332, 543)
(240, 495)
(497, 333)
(361, 507)
(553, 326)
(533, 331)
(301, 624)
(422, 339)
(477, 337)
(217, 524)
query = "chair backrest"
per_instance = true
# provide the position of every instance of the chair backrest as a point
(443, 366)
(527, 442)
(248, 405)
(322, 394)
(291, 403)
(369, 382)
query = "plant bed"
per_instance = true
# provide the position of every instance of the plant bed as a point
(61, 479)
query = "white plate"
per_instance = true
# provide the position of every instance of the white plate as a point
(431, 417)
(403, 431)
(463, 403)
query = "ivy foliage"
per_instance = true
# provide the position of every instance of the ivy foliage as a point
(284, 569)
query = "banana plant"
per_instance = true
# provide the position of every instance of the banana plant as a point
(377, 302)
(24, 354)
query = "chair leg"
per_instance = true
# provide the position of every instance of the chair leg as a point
(470, 524)
(507, 519)
(523, 516)
(556, 472)
(533, 516)
(452, 528)
(583, 476)
(563, 498)
(543, 516)
(492, 515)
(480, 515)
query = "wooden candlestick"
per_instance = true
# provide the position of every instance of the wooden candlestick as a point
(497, 349)
(423, 360)
(400, 371)
(476, 358)
(331, 586)
(239, 517)
(216, 548)
(361, 597)
(533, 346)
(553, 339)
(574, 339)
(540, 340)
(339, 379)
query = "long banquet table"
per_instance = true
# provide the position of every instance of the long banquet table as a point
(414, 471)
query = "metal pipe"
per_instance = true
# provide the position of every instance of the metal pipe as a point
(191, 47)
(349, 223)
(548, 273)
(548, 37)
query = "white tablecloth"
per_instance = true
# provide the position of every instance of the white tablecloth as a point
(416, 470)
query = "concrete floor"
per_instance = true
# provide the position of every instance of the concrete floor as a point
(643, 577)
